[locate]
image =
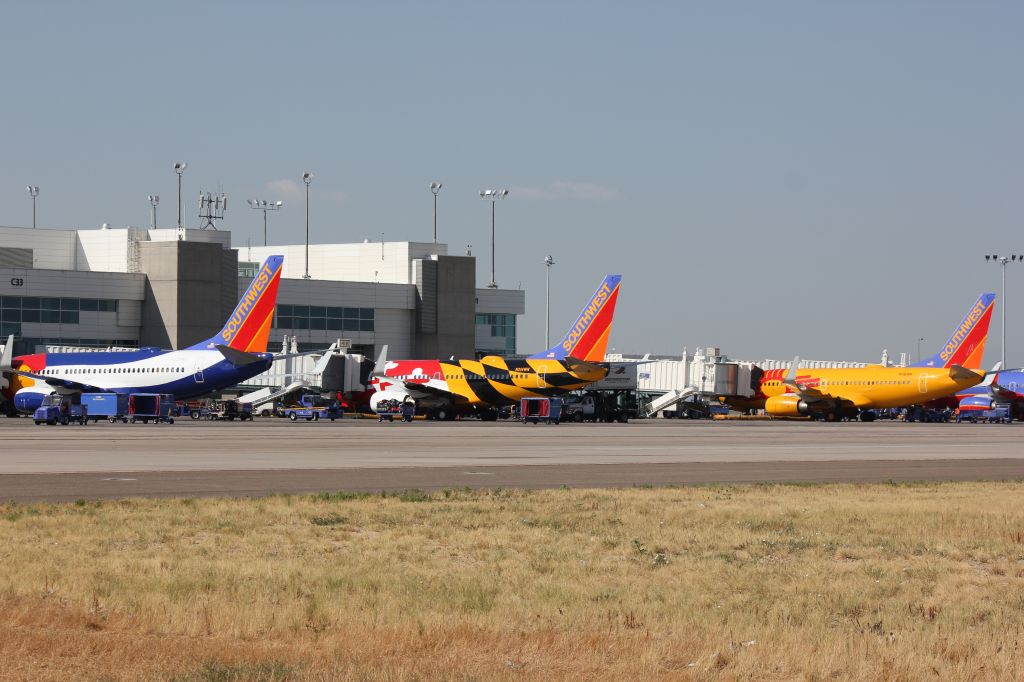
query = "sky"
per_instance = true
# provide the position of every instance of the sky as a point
(773, 178)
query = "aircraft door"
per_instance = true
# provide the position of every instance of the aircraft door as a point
(922, 383)
(542, 379)
(198, 376)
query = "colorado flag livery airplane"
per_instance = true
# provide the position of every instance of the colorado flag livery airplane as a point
(847, 392)
(236, 353)
(444, 387)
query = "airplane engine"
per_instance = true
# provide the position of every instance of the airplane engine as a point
(787, 405)
(380, 396)
(976, 403)
(28, 399)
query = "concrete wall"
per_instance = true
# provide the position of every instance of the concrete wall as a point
(361, 262)
(50, 248)
(102, 250)
(184, 298)
(447, 303)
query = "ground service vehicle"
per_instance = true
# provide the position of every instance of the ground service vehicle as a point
(224, 410)
(155, 407)
(57, 408)
(109, 406)
(312, 407)
(387, 410)
(534, 410)
(593, 407)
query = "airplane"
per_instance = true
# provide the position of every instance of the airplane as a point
(833, 394)
(236, 353)
(443, 388)
(999, 387)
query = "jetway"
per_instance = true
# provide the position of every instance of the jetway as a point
(334, 370)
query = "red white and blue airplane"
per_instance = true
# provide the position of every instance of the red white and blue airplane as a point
(999, 388)
(236, 353)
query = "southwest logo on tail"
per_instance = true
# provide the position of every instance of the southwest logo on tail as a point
(966, 344)
(248, 328)
(587, 339)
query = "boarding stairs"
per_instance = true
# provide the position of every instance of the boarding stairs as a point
(266, 395)
(668, 400)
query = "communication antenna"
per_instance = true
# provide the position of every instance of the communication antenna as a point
(211, 209)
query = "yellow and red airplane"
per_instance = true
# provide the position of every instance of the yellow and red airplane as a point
(442, 388)
(832, 394)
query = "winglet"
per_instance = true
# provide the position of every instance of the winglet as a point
(322, 363)
(989, 384)
(7, 359)
(382, 361)
(791, 374)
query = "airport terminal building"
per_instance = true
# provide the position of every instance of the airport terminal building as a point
(170, 288)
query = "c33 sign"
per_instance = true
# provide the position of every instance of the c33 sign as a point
(17, 282)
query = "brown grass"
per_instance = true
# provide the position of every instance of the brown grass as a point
(754, 582)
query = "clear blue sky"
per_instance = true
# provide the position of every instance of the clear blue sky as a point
(774, 178)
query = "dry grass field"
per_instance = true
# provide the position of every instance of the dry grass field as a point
(824, 582)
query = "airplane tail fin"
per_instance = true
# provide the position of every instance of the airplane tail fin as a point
(966, 344)
(587, 339)
(248, 328)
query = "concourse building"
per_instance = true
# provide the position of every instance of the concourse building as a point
(170, 288)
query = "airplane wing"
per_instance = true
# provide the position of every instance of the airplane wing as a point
(425, 391)
(801, 389)
(57, 383)
(327, 351)
(381, 364)
(6, 361)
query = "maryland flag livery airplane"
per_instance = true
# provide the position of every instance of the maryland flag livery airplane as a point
(236, 353)
(444, 387)
(831, 394)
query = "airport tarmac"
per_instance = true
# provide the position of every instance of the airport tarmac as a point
(217, 458)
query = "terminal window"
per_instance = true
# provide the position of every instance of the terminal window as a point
(328, 318)
(51, 310)
(248, 269)
(501, 326)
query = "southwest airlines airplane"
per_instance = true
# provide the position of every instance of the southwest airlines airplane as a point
(236, 353)
(444, 387)
(832, 394)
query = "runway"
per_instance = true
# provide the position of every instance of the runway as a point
(202, 458)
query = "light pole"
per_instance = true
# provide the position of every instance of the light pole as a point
(33, 190)
(919, 348)
(435, 187)
(492, 195)
(548, 261)
(154, 199)
(179, 168)
(307, 178)
(1003, 260)
(264, 205)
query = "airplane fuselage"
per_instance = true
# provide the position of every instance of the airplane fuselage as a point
(490, 381)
